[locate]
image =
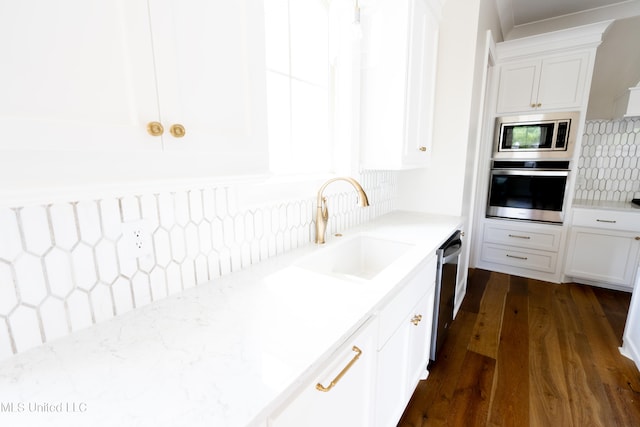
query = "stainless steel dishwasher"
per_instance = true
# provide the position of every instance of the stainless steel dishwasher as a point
(446, 280)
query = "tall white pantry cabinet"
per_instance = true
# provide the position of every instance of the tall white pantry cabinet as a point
(542, 73)
(100, 86)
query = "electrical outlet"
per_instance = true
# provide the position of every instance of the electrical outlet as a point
(136, 241)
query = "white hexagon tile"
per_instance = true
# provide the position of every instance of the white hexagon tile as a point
(63, 266)
(609, 164)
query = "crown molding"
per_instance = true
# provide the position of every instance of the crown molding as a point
(582, 37)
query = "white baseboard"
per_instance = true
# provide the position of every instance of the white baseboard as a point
(630, 349)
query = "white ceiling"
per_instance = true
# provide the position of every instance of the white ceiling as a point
(618, 59)
(527, 11)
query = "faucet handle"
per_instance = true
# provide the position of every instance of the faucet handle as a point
(324, 209)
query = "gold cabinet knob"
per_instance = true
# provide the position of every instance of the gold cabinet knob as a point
(533, 105)
(422, 148)
(539, 105)
(416, 319)
(155, 128)
(637, 237)
(177, 130)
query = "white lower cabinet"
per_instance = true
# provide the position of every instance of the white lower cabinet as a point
(420, 341)
(603, 255)
(403, 356)
(348, 381)
(521, 248)
(604, 247)
(402, 362)
(371, 378)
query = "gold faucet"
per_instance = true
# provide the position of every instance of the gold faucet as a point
(322, 216)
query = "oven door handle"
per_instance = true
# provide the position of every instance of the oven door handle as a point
(530, 172)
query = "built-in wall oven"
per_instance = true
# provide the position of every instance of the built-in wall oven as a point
(533, 190)
(530, 166)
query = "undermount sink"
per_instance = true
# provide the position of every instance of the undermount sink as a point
(361, 257)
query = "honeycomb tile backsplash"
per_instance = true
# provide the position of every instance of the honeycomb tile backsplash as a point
(67, 266)
(609, 164)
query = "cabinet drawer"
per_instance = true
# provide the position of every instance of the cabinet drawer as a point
(341, 393)
(610, 220)
(521, 258)
(524, 237)
(394, 313)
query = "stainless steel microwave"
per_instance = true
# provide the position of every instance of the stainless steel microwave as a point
(535, 136)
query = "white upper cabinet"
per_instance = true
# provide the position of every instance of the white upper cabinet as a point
(423, 50)
(398, 83)
(547, 72)
(90, 76)
(76, 75)
(210, 74)
(543, 84)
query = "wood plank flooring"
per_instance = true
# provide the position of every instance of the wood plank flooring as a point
(523, 352)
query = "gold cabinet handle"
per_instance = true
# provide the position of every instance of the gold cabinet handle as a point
(155, 128)
(416, 319)
(539, 105)
(533, 105)
(422, 149)
(637, 237)
(177, 130)
(341, 374)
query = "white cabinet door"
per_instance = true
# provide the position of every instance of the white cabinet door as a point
(76, 75)
(421, 83)
(210, 69)
(81, 80)
(551, 83)
(391, 377)
(404, 344)
(631, 336)
(603, 255)
(518, 86)
(562, 82)
(398, 83)
(348, 401)
(402, 362)
(420, 344)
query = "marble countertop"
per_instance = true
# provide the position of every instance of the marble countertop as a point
(222, 354)
(606, 205)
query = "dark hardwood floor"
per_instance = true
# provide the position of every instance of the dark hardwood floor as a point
(523, 352)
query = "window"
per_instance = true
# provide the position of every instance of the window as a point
(298, 85)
